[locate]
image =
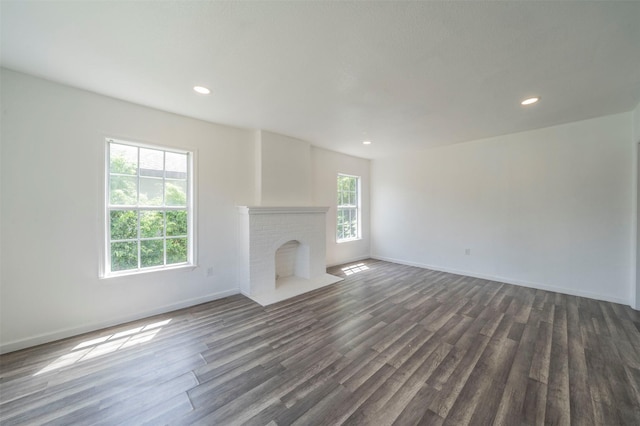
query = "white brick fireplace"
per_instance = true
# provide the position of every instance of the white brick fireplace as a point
(282, 252)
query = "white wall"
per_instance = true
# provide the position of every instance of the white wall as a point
(635, 247)
(635, 294)
(52, 165)
(549, 208)
(326, 165)
(284, 170)
(51, 181)
(636, 124)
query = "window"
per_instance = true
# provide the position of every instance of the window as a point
(348, 208)
(149, 208)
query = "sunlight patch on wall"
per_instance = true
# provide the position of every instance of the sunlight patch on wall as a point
(106, 344)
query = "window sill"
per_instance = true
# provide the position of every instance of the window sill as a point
(350, 240)
(123, 274)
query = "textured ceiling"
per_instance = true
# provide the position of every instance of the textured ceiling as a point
(402, 74)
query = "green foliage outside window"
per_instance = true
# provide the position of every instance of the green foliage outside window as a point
(140, 237)
(347, 201)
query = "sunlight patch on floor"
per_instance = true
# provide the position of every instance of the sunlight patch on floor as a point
(354, 269)
(106, 344)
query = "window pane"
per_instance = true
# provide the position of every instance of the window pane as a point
(150, 191)
(346, 224)
(354, 223)
(124, 256)
(124, 224)
(143, 183)
(176, 165)
(176, 250)
(151, 253)
(151, 224)
(123, 190)
(349, 197)
(123, 159)
(343, 183)
(176, 223)
(176, 193)
(151, 162)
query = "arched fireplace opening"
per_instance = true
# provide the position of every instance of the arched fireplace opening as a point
(291, 260)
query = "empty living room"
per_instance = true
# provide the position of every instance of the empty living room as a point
(319, 212)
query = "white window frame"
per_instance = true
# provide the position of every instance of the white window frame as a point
(106, 271)
(350, 207)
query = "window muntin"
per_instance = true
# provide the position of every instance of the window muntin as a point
(149, 208)
(348, 220)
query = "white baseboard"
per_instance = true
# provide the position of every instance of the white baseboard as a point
(529, 284)
(74, 331)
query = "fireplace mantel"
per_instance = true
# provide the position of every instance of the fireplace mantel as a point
(281, 210)
(263, 230)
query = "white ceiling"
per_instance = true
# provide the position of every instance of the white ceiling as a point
(402, 74)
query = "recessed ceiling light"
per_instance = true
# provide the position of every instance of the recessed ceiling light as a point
(201, 89)
(366, 142)
(529, 101)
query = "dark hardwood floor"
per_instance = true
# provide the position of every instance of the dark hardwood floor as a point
(391, 344)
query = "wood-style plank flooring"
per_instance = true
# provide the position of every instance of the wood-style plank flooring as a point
(391, 344)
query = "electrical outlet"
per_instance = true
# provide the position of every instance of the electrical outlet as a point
(210, 271)
(467, 252)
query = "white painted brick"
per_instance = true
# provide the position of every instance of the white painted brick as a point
(302, 238)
